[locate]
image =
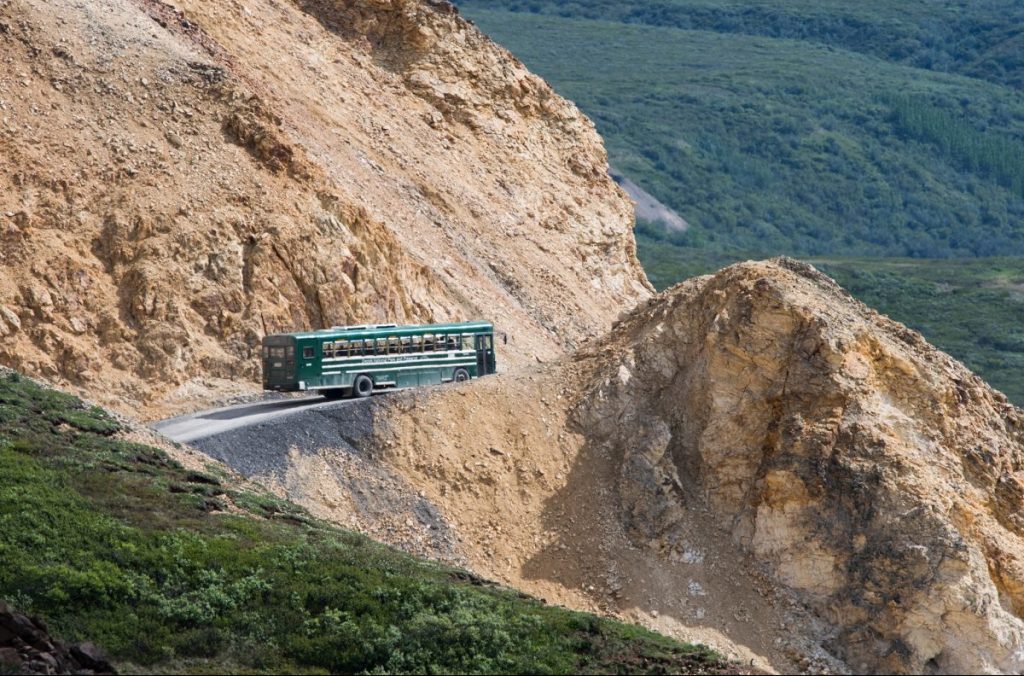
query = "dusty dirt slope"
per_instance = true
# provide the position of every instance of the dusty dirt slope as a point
(753, 459)
(177, 179)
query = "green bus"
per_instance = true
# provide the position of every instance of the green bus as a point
(353, 360)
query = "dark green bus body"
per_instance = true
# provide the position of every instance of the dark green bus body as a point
(391, 356)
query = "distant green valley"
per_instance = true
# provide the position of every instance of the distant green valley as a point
(790, 146)
(845, 132)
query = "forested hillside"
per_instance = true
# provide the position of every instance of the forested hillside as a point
(981, 39)
(817, 129)
(790, 146)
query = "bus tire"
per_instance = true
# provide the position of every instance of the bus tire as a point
(362, 386)
(460, 376)
(334, 393)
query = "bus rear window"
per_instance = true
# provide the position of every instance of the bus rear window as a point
(277, 353)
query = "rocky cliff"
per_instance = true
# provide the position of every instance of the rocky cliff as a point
(177, 179)
(745, 448)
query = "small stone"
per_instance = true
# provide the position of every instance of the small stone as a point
(11, 318)
(9, 657)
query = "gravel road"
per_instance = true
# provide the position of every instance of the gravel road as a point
(321, 454)
(194, 426)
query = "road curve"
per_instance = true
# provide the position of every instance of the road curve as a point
(188, 428)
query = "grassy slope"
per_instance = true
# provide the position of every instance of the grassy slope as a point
(116, 543)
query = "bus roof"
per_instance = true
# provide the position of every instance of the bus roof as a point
(377, 330)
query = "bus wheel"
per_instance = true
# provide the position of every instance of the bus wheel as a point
(460, 375)
(362, 386)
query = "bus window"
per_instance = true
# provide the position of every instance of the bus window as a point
(341, 348)
(328, 350)
(489, 342)
(382, 346)
(417, 344)
(406, 344)
(368, 346)
(394, 345)
(467, 341)
(266, 352)
(428, 343)
(308, 352)
(439, 341)
(453, 342)
(290, 351)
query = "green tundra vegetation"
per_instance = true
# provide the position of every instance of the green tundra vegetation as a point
(819, 129)
(980, 38)
(174, 570)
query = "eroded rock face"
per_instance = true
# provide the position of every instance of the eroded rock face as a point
(868, 471)
(179, 179)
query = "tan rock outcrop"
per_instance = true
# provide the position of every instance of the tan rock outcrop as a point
(756, 427)
(872, 473)
(178, 179)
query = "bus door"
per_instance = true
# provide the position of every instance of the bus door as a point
(484, 355)
(278, 366)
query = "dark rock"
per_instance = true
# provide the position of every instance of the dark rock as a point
(200, 478)
(91, 657)
(27, 648)
(9, 656)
